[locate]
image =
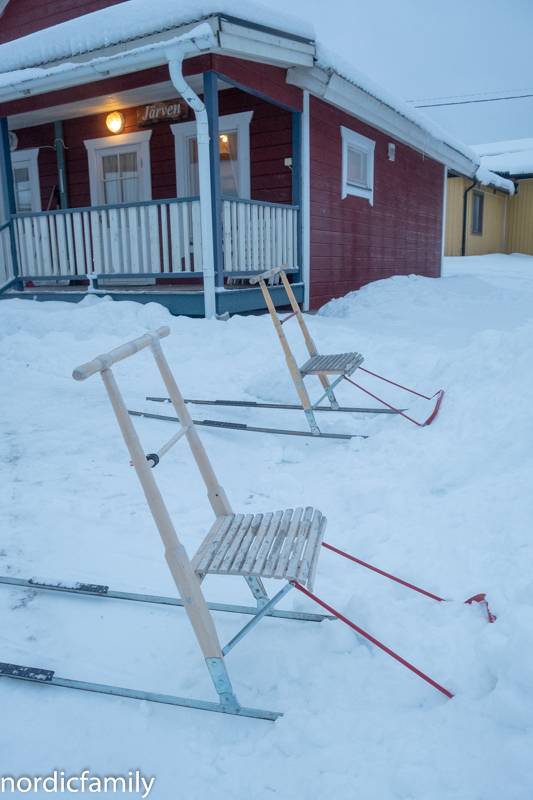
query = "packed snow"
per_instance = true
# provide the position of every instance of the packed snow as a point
(446, 507)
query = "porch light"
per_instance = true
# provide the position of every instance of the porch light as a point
(115, 122)
(223, 137)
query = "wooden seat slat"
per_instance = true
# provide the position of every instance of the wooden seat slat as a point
(209, 546)
(294, 532)
(261, 559)
(262, 532)
(246, 544)
(227, 561)
(307, 555)
(225, 543)
(279, 542)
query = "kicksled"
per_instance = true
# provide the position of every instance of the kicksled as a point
(338, 367)
(284, 545)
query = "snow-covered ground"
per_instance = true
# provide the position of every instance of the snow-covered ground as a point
(447, 507)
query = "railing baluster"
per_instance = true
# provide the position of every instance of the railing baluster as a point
(79, 246)
(155, 253)
(227, 235)
(164, 237)
(175, 236)
(196, 236)
(87, 241)
(96, 239)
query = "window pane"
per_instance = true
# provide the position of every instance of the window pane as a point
(21, 179)
(477, 213)
(112, 193)
(229, 164)
(110, 167)
(130, 190)
(357, 167)
(128, 165)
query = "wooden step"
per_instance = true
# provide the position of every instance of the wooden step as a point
(341, 364)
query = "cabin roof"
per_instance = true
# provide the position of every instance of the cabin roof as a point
(41, 61)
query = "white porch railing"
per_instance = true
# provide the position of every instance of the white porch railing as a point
(157, 237)
(258, 236)
(162, 237)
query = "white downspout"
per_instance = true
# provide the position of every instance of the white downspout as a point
(175, 62)
(306, 203)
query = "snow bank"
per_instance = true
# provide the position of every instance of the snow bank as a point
(447, 507)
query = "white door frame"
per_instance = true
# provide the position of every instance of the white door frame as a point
(183, 131)
(95, 147)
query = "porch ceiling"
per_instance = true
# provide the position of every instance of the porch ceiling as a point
(154, 93)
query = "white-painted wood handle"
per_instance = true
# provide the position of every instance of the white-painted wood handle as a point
(268, 274)
(119, 354)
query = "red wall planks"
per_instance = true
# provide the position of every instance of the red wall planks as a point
(354, 243)
(22, 17)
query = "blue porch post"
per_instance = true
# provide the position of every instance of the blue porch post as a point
(8, 192)
(297, 182)
(211, 104)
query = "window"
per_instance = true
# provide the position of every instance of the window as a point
(26, 180)
(357, 165)
(477, 213)
(119, 168)
(234, 150)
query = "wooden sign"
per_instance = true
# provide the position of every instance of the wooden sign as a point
(162, 112)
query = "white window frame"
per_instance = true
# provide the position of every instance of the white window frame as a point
(96, 148)
(183, 131)
(363, 144)
(18, 158)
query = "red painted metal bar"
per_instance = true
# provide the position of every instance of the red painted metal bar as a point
(478, 598)
(430, 419)
(386, 574)
(283, 321)
(374, 641)
(383, 401)
(394, 384)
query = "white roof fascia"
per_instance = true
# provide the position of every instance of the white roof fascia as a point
(237, 40)
(358, 103)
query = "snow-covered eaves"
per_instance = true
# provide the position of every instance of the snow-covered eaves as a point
(133, 36)
(340, 83)
(488, 178)
(513, 158)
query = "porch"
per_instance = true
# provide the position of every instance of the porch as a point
(149, 252)
(181, 204)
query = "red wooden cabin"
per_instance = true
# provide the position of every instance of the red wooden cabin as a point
(308, 163)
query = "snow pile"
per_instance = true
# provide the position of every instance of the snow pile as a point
(446, 507)
(514, 157)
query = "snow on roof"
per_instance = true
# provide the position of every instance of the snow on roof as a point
(488, 178)
(131, 20)
(23, 59)
(328, 60)
(514, 157)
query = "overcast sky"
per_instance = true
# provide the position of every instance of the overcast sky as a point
(436, 48)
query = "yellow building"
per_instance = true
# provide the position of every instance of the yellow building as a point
(488, 219)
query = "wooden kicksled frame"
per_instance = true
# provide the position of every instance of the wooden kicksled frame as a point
(282, 544)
